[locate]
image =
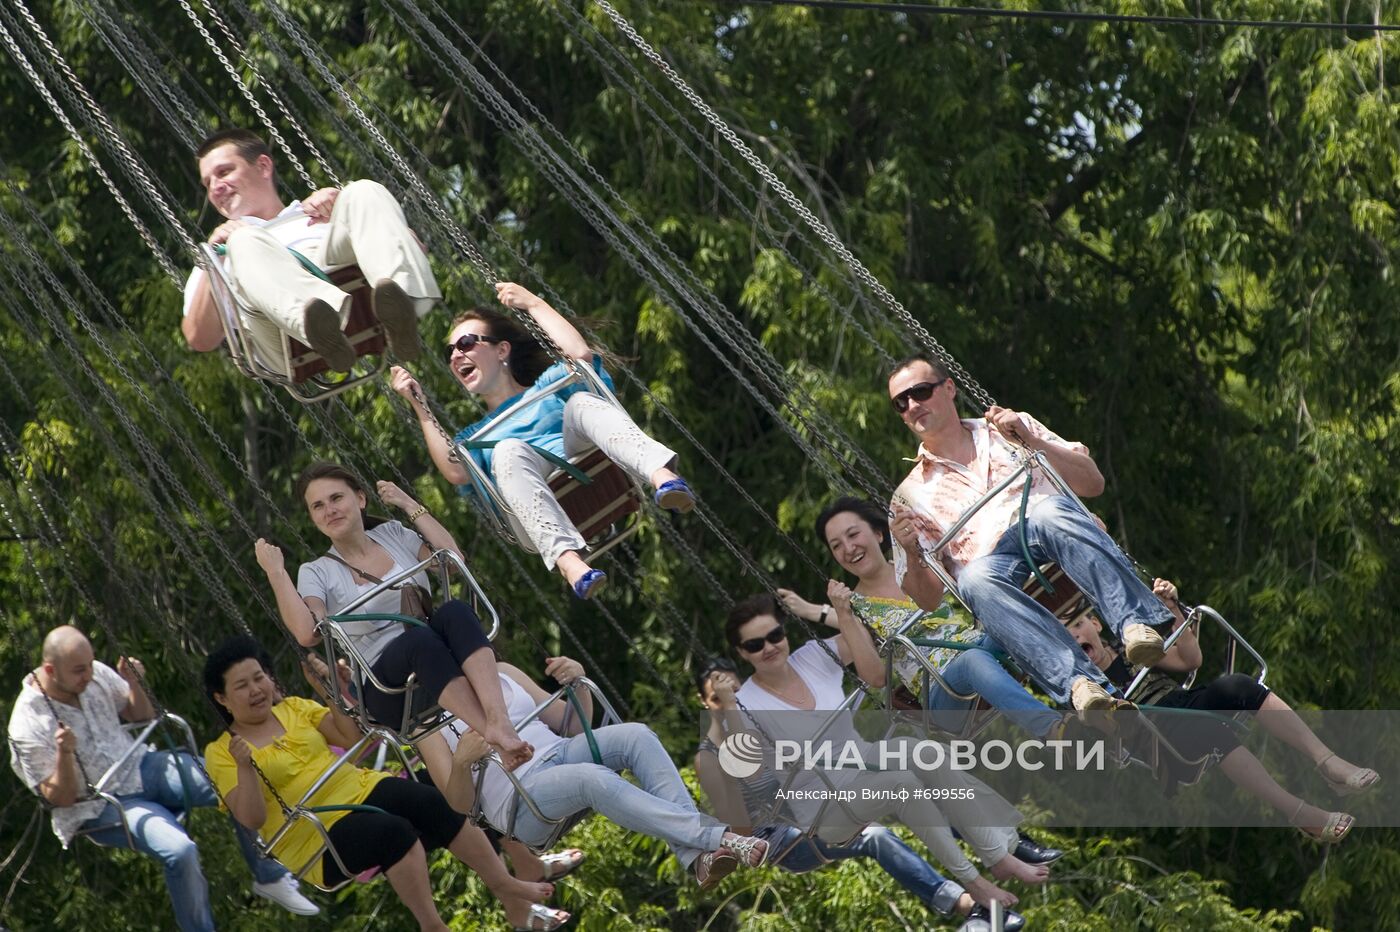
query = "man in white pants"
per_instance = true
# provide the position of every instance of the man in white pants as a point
(360, 224)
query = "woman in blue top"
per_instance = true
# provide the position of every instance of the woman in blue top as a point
(495, 358)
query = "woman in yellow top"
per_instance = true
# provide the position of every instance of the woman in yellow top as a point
(277, 746)
(857, 533)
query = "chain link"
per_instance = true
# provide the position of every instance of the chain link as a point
(966, 383)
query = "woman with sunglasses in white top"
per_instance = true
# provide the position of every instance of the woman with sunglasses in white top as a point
(811, 679)
(493, 357)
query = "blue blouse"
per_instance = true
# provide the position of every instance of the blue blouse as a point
(540, 424)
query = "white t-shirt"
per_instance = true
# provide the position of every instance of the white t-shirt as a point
(497, 792)
(777, 719)
(96, 722)
(292, 228)
(333, 584)
(824, 676)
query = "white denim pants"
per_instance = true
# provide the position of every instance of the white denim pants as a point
(522, 474)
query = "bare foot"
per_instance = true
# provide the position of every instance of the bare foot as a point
(571, 566)
(524, 863)
(984, 891)
(1344, 777)
(965, 904)
(1013, 868)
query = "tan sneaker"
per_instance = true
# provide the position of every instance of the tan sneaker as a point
(713, 866)
(1141, 645)
(394, 309)
(323, 335)
(1087, 696)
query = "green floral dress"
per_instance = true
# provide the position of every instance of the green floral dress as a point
(949, 622)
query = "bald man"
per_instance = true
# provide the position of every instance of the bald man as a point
(66, 730)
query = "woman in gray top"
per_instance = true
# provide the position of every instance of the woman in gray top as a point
(450, 657)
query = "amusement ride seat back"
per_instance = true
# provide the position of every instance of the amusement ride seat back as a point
(362, 329)
(309, 380)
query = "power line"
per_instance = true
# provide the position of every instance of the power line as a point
(923, 9)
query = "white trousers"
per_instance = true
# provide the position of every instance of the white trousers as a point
(367, 228)
(522, 474)
(985, 820)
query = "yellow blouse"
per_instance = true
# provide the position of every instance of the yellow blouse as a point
(293, 763)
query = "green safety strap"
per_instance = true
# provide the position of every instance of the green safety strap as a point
(943, 644)
(380, 616)
(1025, 545)
(347, 807)
(306, 263)
(578, 475)
(587, 726)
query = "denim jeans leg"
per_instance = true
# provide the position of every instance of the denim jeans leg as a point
(909, 870)
(660, 807)
(1039, 643)
(978, 671)
(158, 834)
(1058, 530)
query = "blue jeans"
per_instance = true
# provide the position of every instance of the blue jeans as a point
(1056, 529)
(803, 853)
(978, 671)
(567, 781)
(151, 816)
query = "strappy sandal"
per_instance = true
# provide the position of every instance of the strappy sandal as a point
(1360, 780)
(748, 850)
(543, 919)
(561, 864)
(1337, 827)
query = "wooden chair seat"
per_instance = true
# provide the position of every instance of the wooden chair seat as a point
(606, 500)
(362, 329)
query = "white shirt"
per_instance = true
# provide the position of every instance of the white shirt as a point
(96, 722)
(824, 677)
(497, 792)
(335, 585)
(291, 227)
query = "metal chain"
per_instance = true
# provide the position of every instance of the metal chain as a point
(966, 383)
(246, 91)
(161, 92)
(133, 165)
(156, 250)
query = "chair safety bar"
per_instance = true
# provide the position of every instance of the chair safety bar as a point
(849, 704)
(412, 728)
(141, 733)
(559, 826)
(489, 500)
(305, 389)
(304, 811)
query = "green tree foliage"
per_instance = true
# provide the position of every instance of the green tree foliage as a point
(1175, 244)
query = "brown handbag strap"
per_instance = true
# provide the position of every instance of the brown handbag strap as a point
(370, 576)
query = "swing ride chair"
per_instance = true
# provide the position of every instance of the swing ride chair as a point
(810, 834)
(974, 717)
(558, 827)
(1159, 754)
(421, 717)
(306, 811)
(141, 734)
(310, 380)
(599, 497)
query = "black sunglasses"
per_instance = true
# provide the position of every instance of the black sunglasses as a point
(921, 392)
(754, 645)
(465, 343)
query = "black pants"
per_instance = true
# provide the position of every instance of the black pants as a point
(434, 655)
(413, 812)
(1197, 735)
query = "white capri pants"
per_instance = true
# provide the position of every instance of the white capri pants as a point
(367, 228)
(522, 474)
